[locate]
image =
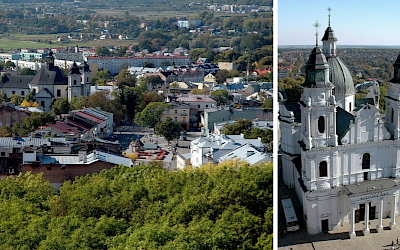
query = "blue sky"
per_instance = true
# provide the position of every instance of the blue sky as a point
(355, 22)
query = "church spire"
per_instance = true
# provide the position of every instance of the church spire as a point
(329, 21)
(316, 25)
(329, 39)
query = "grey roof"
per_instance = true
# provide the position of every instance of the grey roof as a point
(75, 69)
(49, 75)
(246, 152)
(295, 108)
(44, 93)
(340, 77)
(316, 62)
(19, 81)
(343, 120)
(329, 35)
(363, 101)
(370, 187)
(185, 156)
(28, 141)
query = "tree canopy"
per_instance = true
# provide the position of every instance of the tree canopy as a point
(228, 206)
(169, 129)
(151, 115)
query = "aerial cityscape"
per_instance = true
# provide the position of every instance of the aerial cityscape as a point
(136, 125)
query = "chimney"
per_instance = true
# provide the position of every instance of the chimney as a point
(82, 156)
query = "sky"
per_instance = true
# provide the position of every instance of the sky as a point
(355, 22)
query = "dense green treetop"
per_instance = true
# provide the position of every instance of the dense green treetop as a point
(228, 206)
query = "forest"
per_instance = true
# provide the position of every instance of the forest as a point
(228, 206)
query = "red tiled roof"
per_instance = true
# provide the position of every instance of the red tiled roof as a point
(89, 117)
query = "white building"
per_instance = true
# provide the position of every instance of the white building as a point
(337, 154)
(211, 148)
(115, 64)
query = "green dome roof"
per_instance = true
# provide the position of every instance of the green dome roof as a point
(340, 77)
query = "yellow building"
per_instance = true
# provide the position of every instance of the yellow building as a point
(178, 113)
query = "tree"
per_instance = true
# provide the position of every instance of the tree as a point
(168, 129)
(5, 131)
(77, 103)
(9, 65)
(27, 71)
(221, 96)
(16, 99)
(101, 77)
(30, 97)
(151, 115)
(60, 106)
(102, 51)
(126, 78)
(153, 82)
(148, 65)
(3, 96)
(238, 127)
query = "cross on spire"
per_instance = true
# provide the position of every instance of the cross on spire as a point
(316, 25)
(329, 10)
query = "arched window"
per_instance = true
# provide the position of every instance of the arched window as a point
(366, 161)
(323, 169)
(321, 124)
(74, 82)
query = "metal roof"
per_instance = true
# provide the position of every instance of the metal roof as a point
(340, 77)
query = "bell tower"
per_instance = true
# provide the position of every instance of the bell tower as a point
(318, 105)
(392, 122)
(74, 82)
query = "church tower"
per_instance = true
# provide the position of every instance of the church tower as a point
(339, 74)
(86, 79)
(74, 82)
(392, 122)
(318, 105)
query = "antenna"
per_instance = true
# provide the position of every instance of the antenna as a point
(316, 25)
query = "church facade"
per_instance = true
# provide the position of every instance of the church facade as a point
(338, 154)
(50, 83)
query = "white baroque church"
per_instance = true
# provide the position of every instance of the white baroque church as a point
(340, 157)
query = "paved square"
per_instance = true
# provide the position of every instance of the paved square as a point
(340, 239)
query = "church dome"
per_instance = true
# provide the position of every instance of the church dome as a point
(340, 77)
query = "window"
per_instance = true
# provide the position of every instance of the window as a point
(323, 169)
(13, 92)
(74, 82)
(321, 124)
(176, 111)
(366, 161)
(58, 92)
(184, 119)
(87, 79)
(3, 153)
(22, 93)
(350, 106)
(392, 114)
(42, 104)
(176, 119)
